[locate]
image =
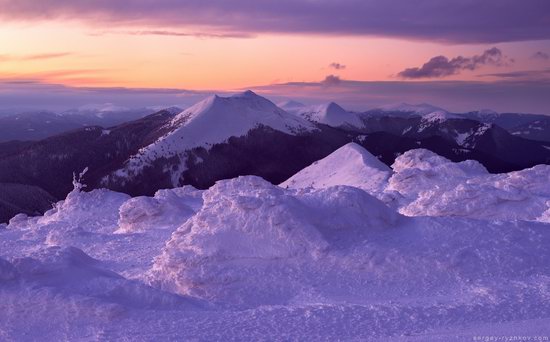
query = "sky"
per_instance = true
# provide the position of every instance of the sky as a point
(461, 55)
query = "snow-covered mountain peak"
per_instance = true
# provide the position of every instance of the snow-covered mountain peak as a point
(333, 108)
(291, 106)
(350, 165)
(421, 109)
(212, 121)
(247, 93)
(242, 111)
(438, 116)
(485, 115)
(330, 114)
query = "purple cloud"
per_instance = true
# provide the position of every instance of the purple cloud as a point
(441, 66)
(506, 96)
(457, 21)
(524, 74)
(331, 80)
(337, 66)
(541, 55)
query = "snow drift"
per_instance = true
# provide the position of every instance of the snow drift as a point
(255, 243)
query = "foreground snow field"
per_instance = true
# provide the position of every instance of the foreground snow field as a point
(429, 251)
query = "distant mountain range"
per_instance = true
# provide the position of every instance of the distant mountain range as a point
(246, 134)
(42, 124)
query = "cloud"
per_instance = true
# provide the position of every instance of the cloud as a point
(17, 95)
(177, 34)
(337, 66)
(525, 74)
(541, 55)
(441, 66)
(458, 21)
(34, 57)
(510, 95)
(331, 80)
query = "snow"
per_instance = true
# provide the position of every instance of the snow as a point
(349, 165)
(438, 116)
(461, 138)
(216, 119)
(426, 184)
(451, 252)
(421, 183)
(166, 209)
(330, 114)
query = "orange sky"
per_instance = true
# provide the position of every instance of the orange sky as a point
(73, 54)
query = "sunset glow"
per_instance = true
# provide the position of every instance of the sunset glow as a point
(101, 45)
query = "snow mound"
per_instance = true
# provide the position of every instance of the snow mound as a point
(68, 271)
(427, 184)
(350, 165)
(60, 265)
(331, 114)
(251, 240)
(94, 211)
(168, 208)
(426, 160)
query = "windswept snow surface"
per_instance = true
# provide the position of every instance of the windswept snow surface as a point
(248, 260)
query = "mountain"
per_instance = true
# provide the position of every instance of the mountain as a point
(35, 126)
(291, 106)
(42, 124)
(470, 136)
(330, 114)
(538, 129)
(21, 198)
(208, 123)
(350, 165)
(464, 253)
(50, 163)
(528, 126)
(245, 134)
(405, 110)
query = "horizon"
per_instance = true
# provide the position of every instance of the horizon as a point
(463, 57)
